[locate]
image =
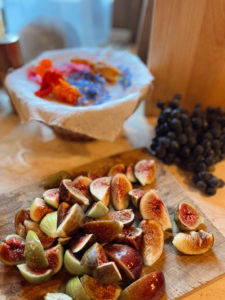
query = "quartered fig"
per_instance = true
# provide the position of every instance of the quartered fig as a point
(71, 194)
(61, 212)
(107, 273)
(53, 181)
(12, 250)
(148, 287)
(39, 209)
(127, 258)
(57, 296)
(75, 289)
(34, 276)
(21, 216)
(34, 252)
(152, 242)
(131, 236)
(120, 186)
(104, 231)
(49, 224)
(55, 258)
(125, 216)
(136, 195)
(144, 171)
(130, 174)
(119, 168)
(82, 183)
(51, 197)
(73, 264)
(99, 291)
(187, 216)
(97, 210)
(100, 189)
(152, 207)
(81, 243)
(94, 256)
(72, 221)
(193, 243)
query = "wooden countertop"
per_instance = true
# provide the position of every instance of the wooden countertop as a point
(29, 152)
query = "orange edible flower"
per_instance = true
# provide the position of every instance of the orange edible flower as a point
(65, 92)
(109, 72)
(45, 64)
(82, 61)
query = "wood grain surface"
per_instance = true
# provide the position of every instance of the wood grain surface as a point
(183, 273)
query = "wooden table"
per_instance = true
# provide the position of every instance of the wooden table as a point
(29, 152)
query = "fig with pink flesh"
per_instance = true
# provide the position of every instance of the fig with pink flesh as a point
(81, 243)
(100, 189)
(73, 265)
(51, 197)
(144, 171)
(120, 186)
(71, 194)
(34, 276)
(104, 231)
(127, 258)
(136, 195)
(131, 236)
(12, 250)
(39, 209)
(118, 168)
(61, 212)
(107, 273)
(152, 242)
(82, 183)
(21, 216)
(125, 216)
(130, 174)
(148, 287)
(55, 258)
(94, 256)
(152, 207)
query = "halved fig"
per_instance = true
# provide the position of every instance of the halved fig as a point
(127, 258)
(72, 221)
(144, 171)
(120, 186)
(46, 241)
(152, 207)
(97, 210)
(131, 236)
(53, 181)
(39, 209)
(118, 168)
(61, 212)
(55, 258)
(187, 216)
(104, 231)
(152, 242)
(51, 197)
(12, 250)
(49, 224)
(193, 243)
(70, 194)
(34, 276)
(81, 243)
(99, 291)
(75, 289)
(82, 183)
(34, 252)
(57, 296)
(73, 264)
(100, 189)
(95, 256)
(125, 216)
(148, 287)
(136, 195)
(130, 174)
(107, 273)
(21, 216)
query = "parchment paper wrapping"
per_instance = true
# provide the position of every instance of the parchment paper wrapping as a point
(102, 121)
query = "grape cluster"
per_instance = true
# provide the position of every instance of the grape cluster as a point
(194, 141)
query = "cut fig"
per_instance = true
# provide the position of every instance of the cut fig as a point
(144, 171)
(75, 289)
(104, 231)
(119, 168)
(125, 216)
(95, 256)
(57, 296)
(120, 186)
(61, 212)
(127, 258)
(97, 210)
(136, 195)
(51, 197)
(34, 252)
(53, 181)
(49, 224)
(187, 216)
(73, 264)
(70, 194)
(131, 236)
(12, 250)
(21, 216)
(130, 174)
(64, 240)
(152, 242)
(93, 175)
(55, 258)
(39, 209)
(72, 221)
(193, 243)
(34, 276)
(100, 189)
(152, 207)
(99, 291)
(82, 183)
(148, 287)
(81, 243)
(107, 273)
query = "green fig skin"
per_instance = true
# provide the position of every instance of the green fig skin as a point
(75, 289)
(32, 276)
(73, 265)
(49, 224)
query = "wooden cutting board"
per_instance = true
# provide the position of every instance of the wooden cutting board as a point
(183, 273)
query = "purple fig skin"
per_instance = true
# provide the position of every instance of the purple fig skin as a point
(148, 287)
(21, 216)
(71, 194)
(94, 256)
(131, 236)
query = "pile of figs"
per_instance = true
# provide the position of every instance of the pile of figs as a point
(103, 231)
